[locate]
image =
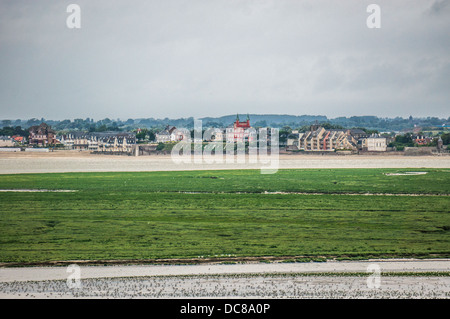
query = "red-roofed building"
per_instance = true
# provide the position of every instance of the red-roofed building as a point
(239, 132)
(42, 135)
(18, 139)
(422, 140)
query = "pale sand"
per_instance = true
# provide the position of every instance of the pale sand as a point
(70, 161)
(58, 273)
(300, 280)
(229, 287)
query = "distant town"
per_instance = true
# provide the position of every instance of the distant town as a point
(297, 134)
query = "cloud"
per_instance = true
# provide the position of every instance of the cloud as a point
(205, 58)
(439, 6)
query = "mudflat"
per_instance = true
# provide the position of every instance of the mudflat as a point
(407, 279)
(76, 161)
(10, 274)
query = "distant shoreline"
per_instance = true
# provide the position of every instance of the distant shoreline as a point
(84, 161)
(75, 153)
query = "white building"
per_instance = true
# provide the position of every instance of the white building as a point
(6, 141)
(375, 144)
(169, 134)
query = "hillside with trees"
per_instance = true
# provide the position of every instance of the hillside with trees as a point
(301, 122)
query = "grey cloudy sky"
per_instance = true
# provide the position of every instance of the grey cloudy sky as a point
(181, 58)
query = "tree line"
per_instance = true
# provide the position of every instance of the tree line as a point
(256, 120)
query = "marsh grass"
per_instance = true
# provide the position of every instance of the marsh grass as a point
(144, 215)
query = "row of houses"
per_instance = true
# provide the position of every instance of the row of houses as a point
(121, 142)
(99, 141)
(317, 139)
(330, 140)
(239, 131)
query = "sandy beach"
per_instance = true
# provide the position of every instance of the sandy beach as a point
(75, 161)
(232, 286)
(387, 265)
(257, 280)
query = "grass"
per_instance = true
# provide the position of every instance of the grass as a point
(144, 215)
(436, 181)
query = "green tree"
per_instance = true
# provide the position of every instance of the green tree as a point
(445, 138)
(102, 128)
(142, 134)
(404, 139)
(32, 122)
(329, 126)
(6, 123)
(151, 135)
(10, 131)
(284, 133)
